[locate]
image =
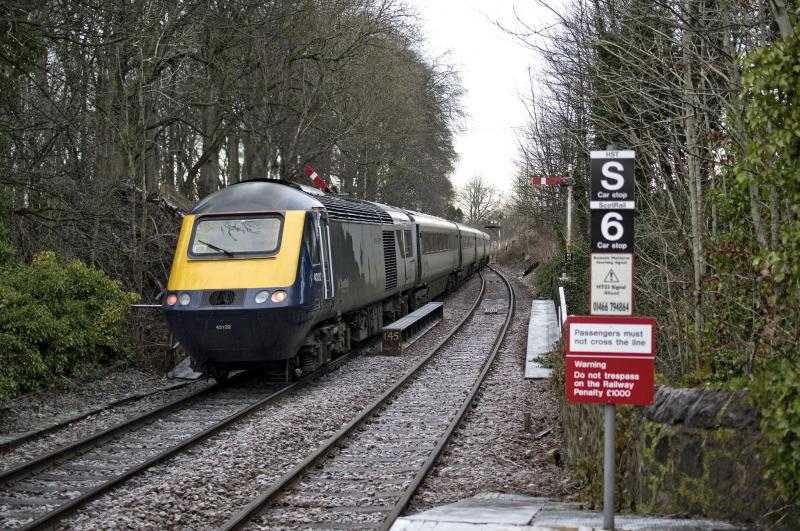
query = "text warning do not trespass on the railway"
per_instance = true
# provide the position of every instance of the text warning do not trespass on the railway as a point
(610, 360)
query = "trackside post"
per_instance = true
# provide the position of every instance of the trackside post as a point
(610, 353)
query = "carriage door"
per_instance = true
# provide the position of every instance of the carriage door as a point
(324, 235)
(409, 254)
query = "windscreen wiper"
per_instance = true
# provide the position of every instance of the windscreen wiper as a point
(216, 248)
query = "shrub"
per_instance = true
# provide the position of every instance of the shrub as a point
(576, 288)
(777, 394)
(58, 318)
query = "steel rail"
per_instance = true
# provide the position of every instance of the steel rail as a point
(254, 508)
(445, 438)
(39, 432)
(50, 518)
(95, 439)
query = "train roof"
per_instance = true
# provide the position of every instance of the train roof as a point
(473, 230)
(257, 196)
(271, 194)
(398, 214)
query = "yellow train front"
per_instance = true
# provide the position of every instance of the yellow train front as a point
(246, 285)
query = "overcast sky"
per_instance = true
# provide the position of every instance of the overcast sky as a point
(494, 71)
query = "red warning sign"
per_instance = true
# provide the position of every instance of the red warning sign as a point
(610, 360)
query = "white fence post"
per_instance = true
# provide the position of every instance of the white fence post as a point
(562, 306)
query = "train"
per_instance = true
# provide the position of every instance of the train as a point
(276, 273)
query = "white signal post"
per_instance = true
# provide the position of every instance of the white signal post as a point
(569, 213)
(568, 182)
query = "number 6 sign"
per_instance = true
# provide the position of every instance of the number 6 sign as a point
(612, 231)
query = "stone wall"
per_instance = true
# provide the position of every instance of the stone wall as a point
(693, 452)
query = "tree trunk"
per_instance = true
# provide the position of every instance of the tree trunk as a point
(694, 180)
(209, 171)
(232, 152)
(168, 160)
(778, 8)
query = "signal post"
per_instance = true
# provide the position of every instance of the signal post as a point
(610, 353)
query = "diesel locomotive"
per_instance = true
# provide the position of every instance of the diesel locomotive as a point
(275, 273)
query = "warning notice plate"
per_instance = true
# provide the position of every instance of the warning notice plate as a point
(611, 284)
(610, 360)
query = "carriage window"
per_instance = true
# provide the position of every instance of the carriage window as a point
(408, 243)
(218, 237)
(399, 240)
(434, 242)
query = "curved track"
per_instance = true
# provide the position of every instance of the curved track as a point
(364, 476)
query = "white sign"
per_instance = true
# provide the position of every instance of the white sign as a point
(612, 180)
(611, 338)
(611, 284)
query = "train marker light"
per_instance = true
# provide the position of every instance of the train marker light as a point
(279, 296)
(262, 296)
(184, 299)
(172, 299)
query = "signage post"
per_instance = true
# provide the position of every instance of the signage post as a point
(610, 360)
(612, 205)
(609, 463)
(610, 354)
(568, 182)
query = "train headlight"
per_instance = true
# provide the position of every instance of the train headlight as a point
(172, 299)
(262, 296)
(184, 299)
(279, 296)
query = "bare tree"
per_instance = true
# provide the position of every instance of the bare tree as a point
(167, 98)
(479, 199)
(661, 78)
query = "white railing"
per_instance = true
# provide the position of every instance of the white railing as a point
(562, 308)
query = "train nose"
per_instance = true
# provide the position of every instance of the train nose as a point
(238, 325)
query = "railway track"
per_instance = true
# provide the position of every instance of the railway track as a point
(13, 440)
(42, 491)
(364, 476)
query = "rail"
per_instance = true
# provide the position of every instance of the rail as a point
(46, 516)
(373, 416)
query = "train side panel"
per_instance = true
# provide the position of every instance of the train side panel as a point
(360, 264)
(439, 255)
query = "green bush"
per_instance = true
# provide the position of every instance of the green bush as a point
(771, 295)
(576, 288)
(58, 318)
(777, 394)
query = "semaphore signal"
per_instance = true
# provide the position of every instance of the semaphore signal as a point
(321, 184)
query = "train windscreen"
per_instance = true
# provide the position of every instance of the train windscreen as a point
(231, 237)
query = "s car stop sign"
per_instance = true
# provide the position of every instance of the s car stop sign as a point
(610, 360)
(612, 180)
(612, 205)
(612, 201)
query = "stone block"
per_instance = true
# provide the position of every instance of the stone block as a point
(695, 451)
